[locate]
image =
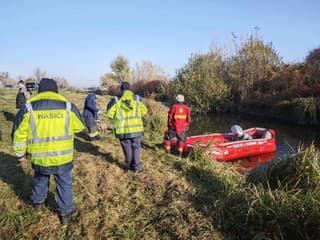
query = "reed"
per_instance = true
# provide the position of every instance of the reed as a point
(281, 202)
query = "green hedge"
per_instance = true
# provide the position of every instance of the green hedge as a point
(297, 110)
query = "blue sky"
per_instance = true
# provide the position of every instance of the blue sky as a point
(78, 39)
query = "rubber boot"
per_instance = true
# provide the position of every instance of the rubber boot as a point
(167, 146)
(180, 148)
(39, 207)
(65, 219)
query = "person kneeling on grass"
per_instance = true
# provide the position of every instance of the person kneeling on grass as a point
(43, 132)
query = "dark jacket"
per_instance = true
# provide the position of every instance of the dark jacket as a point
(90, 109)
(20, 100)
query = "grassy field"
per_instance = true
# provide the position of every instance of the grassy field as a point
(191, 198)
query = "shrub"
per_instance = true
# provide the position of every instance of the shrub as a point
(200, 80)
(155, 121)
(113, 90)
(157, 88)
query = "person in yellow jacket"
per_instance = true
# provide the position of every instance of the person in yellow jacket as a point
(43, 133)
(126, 110)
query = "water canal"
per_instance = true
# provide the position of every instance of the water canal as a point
(288, 136)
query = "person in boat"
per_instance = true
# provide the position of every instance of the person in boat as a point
(238, 133)
(178, 123)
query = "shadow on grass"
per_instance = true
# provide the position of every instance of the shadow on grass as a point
(9, 116)
(88, 147)
(83, 135)
(226, 208)
(155, 147)
(12, 173)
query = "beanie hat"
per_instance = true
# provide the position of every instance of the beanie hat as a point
(47, 84)
(125, 86)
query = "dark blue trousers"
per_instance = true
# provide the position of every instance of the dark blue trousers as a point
(63, 178)
(132, 151)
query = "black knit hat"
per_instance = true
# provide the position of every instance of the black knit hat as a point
(125, 86)
(47, 84)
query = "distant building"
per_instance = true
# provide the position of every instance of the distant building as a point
(6, 81)
(9, 86)
(4, 76)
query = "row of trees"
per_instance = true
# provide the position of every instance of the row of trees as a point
(217, 81)
(121, 71)
(252, 79)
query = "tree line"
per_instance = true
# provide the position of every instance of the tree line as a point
(253, 79)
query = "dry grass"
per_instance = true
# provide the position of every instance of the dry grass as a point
(190, 198)
(112, 203)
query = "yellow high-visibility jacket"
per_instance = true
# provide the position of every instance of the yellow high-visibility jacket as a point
(127, 113)
(44, 129)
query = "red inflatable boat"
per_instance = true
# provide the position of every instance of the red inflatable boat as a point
(247, 163)
(223, 146)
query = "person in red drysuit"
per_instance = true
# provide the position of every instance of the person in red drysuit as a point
(178, 123)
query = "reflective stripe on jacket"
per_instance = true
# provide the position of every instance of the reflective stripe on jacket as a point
(127, 114)
(44, 128)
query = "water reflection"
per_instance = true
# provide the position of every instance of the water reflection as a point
(289, 137)
(251, 162)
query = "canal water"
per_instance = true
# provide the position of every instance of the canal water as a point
(289, 137)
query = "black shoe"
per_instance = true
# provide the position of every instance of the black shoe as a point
(138, 171)
(126, 168)
(39, 207)
(65, 219)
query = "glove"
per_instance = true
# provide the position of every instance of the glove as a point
(23, 159)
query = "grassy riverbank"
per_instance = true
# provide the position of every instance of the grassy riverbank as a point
(192, 198)
(302, 111)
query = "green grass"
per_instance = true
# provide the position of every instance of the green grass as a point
(190, 198)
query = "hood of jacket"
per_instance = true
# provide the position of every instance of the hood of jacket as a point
(127, 100)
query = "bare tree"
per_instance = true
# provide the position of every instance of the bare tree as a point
(39, 73)
(148, 71)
